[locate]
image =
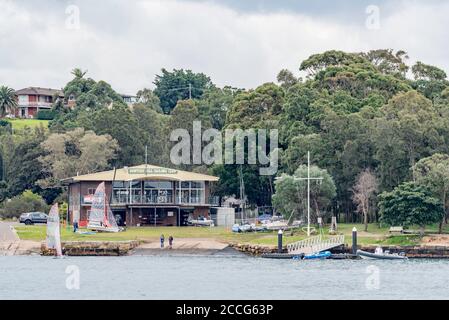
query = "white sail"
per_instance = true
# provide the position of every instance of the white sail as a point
(100, 216)
(53, 231)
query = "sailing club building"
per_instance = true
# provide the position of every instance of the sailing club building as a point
(144, 195)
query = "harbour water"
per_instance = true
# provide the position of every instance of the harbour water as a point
(219, 277)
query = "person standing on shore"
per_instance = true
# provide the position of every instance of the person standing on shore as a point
(170, 242)
(162, 241)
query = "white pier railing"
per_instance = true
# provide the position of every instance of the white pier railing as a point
(315, 244)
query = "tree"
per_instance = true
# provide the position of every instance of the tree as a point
(410, 204)
(291, 193)
(413, 119)
(256, 109)
(423, 71)
(75, 152)
(433, 173)
(318, 62)
(26, 202)
(149, 99)
(363, 192)
(90, 94)
(287, 79)
(78, 73)
(388, 62)
(8, 101)
(25, 170)
(180, 85)
(215, 104)
(120, 123)
(154, 127)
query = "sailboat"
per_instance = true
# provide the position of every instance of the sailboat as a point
(244, 226)
(101, 217)
(54, 232)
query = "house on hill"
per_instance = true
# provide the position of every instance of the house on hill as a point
(33, 99)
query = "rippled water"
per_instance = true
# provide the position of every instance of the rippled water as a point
(222, 277)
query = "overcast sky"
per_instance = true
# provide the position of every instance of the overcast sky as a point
(235, 42)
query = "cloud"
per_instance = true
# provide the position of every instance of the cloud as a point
(127, 42)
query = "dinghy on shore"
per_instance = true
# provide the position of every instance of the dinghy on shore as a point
(381, 255)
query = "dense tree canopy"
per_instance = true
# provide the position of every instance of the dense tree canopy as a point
(410, 204)
(179, 85)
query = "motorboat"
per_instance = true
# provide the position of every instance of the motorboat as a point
(318, 256)
(237, 228)
(201, 222)
(381, 255)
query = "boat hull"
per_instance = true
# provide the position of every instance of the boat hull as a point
(385, 256)
(318, 256)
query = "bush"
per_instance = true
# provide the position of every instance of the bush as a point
(5, 126)
(26, 202)
(46, 115)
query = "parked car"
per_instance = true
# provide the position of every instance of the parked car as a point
(33, 217)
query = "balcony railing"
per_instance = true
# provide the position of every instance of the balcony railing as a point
(158, 200)
(35, 104)
(123, 199)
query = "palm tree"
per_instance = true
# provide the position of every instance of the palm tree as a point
(8, 101)
(78, 73)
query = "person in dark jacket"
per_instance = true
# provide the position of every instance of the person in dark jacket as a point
(170, 242)
(75, 226)
(162, 241)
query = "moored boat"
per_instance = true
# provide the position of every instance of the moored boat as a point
(318, 256)
(381, 255)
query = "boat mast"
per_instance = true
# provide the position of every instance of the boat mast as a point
(242, 194)
(308, 193)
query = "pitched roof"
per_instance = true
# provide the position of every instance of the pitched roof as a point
(143, 172)
(39, 91)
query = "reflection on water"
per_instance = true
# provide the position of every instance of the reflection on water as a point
(221, 277)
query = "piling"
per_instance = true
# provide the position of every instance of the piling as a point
(280, 246)
(354, 240)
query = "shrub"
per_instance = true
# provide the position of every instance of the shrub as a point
(26, 202)
(5, 126)
(46, 115)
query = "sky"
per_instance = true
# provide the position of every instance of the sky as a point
(242, 43)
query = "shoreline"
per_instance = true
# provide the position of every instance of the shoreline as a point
(192, 247)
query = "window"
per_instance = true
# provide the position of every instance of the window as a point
(136, 191)
(120, 192)
(91, 191)
(159, 192)
(191, 192)
(23, 99)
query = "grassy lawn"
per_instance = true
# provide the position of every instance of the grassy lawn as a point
(20, 124)
(375, 235)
